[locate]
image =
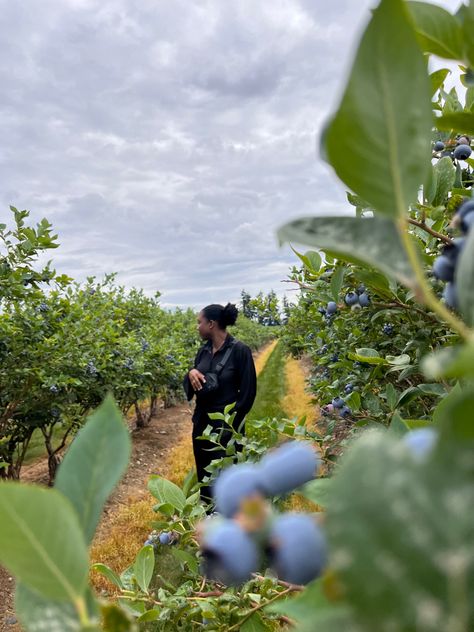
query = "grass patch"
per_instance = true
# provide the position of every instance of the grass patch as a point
(271, 387)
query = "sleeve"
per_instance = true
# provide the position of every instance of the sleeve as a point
(188, 389)
(248, 383)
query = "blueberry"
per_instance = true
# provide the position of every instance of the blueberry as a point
(364, 300)
(329, 408)
(421, 441)
(454, 250)
(466, 207)
(324, 349)
(351, 298)
(322, 311)
(443, 268)
(467, 222)
(165, 537)
(462, 152)
(235, 484)
(450, 295)
(298, 550)
(289, 466)
(54, 389)
(331, 308)
(43, 307)
(361, 289)
(439, 146)
(335, 357)
(348, 388)
(128, 364)
(463, 140)
(230, 556)
(345, 411)
(338, 402)
(387, 329)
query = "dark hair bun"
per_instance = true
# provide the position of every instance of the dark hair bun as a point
(229, 315)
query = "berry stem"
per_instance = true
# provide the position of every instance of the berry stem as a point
(423, 290)
(447, 240)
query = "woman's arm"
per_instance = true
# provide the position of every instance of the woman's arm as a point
(248, 383)
(188, 388)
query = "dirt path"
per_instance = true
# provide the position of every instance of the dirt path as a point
(161, 448)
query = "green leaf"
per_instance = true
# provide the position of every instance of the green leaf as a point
(38, 614)
(373, 241)
(369, 356)
(41, 541)
(439, 32)
(450, 362)
(254, 624)
(317, 491)
(464, 279)
(337, 280)
(144, 566)
(167, 492)
(184, 557)
(438, 78)
(457, 121)
(386, 108)
(444, 174)
(398, 427)
(392, 396)
(310, 259)
(107, 572)
(94, 463)
(466, 16)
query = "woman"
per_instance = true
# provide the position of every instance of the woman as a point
(237, 382)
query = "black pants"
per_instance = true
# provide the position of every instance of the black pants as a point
(202, 455)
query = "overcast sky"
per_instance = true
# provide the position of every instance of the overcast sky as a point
(166, 140)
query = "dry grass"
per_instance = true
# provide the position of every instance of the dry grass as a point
(297, 402)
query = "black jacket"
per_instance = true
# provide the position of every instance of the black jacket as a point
(237, 380)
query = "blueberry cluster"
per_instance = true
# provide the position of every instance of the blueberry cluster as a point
(460, 149)
(338, 405)
(54, 389)
(91, 369)
(359, 298)
(128, 364)
(388, 329)
(164, 538)
(43, 307)
(145, 345)
(245, 535)
(444, 266)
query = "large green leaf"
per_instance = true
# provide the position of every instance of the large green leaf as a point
(437, 79)
(41, 541)
(450, 362)
(444, 175)
(379, 140)
(167, 492)
(38, 614)
(439, 32)
(94, 464)
(464, 279)
(143, 566)
(373, 241)
(457, 121)
(401, 533)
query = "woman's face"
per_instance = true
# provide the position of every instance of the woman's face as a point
(205, 326)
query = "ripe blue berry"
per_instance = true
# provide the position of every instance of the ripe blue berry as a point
(298, 550)
(331, 308)
(230, 556)
(421, 441)
(289, 466)
(345, 411)
(467, 221)
(165, 537)
(443, 268)
(387, 329)
(450, 295)
(439, 146)
(364, 300)
(351, 298)
(361, 289)
(348, 388)
(466, 207)
(462, 152)
(235, 484)
(338, 402)
(335, 357)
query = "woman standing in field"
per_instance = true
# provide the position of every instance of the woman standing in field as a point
(231, 361)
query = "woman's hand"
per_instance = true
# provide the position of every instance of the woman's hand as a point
(197, 379)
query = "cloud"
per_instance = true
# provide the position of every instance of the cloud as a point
(168, 141)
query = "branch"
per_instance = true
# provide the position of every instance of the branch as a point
(447, 240)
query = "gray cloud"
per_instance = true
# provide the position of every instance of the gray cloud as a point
(167, 141)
